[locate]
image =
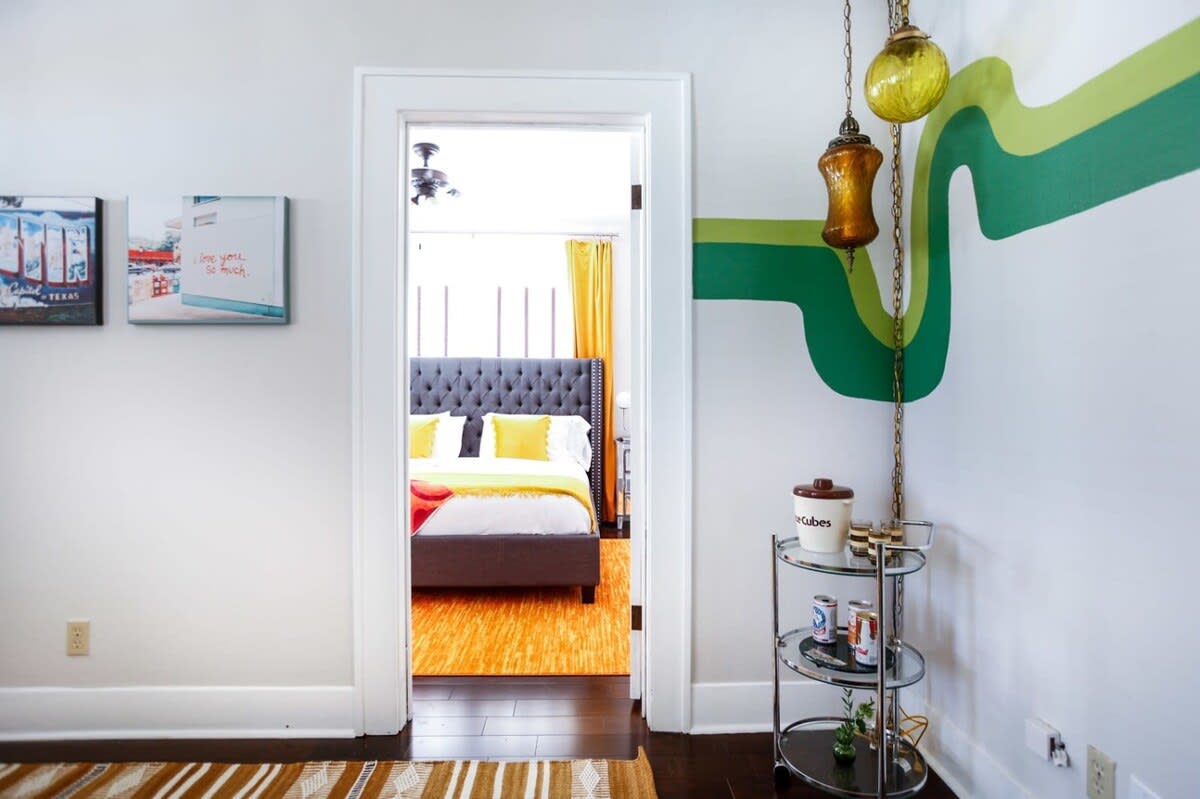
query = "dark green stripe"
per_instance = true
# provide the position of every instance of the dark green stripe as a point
(848, 358)
(1150, 142)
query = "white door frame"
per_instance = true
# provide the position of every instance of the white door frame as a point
(386, 100)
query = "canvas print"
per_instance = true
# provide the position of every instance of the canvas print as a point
(50, 260)
(207, 259)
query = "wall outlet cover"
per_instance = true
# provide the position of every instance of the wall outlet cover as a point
(1101, 775)
(79, 637)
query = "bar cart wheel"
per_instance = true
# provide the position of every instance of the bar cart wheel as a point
(783, 777)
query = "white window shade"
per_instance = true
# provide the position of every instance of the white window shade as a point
(479, 295)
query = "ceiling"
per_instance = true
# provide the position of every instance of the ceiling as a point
(525, 179)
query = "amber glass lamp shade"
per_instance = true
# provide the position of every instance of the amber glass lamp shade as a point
(908, 77)
(849, 167)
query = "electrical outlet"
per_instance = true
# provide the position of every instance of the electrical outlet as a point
(79, 637)
(1101, 775)
(1138, 789)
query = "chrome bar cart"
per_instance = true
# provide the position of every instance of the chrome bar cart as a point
(886, 766)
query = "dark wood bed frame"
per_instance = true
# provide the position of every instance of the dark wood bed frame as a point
(472, 387)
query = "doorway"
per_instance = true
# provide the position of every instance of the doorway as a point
(387, 102)
(519, 244)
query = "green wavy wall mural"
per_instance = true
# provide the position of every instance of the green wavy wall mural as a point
(1132, 126)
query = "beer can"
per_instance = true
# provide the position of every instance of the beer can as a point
(824, 626)
(866, 649)
(853, 608)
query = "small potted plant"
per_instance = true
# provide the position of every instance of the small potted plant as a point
(853, 722)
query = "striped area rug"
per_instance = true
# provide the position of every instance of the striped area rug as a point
(446, 779)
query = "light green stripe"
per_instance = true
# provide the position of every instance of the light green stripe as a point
(1024, 130)
(803, 232)
(864, 291)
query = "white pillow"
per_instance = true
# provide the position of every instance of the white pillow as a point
(447, 437)
(576, 443)
(567, 438)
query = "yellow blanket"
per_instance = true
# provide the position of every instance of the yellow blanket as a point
(506, 484)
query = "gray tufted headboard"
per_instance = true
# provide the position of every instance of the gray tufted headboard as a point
(472, 387)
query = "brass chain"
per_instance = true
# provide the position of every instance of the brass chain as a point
(897, 15)
(849, 53)
(897, 363)
(897, 327)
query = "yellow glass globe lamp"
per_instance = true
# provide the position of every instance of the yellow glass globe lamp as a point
(849, 167)
(908, 77)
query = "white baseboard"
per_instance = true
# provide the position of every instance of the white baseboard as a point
(966, 768)
(964, 765)
(935, 765)
(31, 714)
(736, 707)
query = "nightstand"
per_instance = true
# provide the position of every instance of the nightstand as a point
(623, 482)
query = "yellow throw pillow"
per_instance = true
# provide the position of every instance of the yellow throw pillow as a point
(420, 437)
(522, 438)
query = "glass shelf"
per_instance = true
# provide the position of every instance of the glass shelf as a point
(907, 664)
(807, 751)
(837, 656)
(789, 550)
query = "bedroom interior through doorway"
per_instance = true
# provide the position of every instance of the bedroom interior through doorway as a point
(538, 213)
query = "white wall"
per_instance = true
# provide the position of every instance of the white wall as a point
(1060, 453)
(207, 531)
(764, 423)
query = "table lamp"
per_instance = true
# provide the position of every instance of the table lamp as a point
(623, 404)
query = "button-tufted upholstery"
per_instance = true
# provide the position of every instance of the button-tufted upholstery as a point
(472, 387)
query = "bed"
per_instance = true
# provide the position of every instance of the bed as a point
(472, 387)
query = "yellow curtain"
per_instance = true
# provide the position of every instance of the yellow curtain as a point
(589, 265)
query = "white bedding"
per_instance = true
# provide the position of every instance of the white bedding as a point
(530, 513)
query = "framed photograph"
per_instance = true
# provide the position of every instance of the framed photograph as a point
(43, 242)
(207, 259)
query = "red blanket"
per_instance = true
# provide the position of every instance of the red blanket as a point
(426, 498)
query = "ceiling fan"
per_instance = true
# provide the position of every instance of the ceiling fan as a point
(427, 182)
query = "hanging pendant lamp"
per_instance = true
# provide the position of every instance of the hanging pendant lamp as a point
(909, 76)
(849, 166)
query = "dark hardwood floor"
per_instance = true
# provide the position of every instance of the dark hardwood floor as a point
(500, 718)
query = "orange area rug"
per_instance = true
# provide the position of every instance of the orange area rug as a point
(526, 631)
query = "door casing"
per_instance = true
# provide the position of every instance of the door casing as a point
(386, 102)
